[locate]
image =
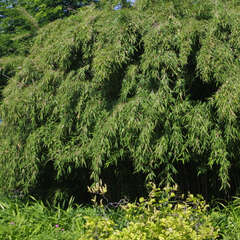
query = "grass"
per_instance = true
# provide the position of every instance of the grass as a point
(227, 218)
(33, 220)
(36, 221)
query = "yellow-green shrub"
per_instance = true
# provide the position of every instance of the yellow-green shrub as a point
(160, 217)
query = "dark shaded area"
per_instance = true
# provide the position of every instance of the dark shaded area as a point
(73, 185)
(223, 31)
(196, 88)
(111, 89)
(124, 184)
(200, 91)
(120, 185)
(234, 177)
(77, 59)
(6, 73)
(3, 83)
(205, 184)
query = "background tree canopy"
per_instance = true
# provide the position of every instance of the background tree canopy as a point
(19, 24)
(46, 11)
(144, 93)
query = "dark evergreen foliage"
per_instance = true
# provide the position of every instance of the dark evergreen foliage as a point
(151, 91)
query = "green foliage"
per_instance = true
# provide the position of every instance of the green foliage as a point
(35, 221)
(8, 68)
(7, 45)
(20, 21)
(17, 28)
(19, 24)
(227, 218)
(158, 217)
(154, 88)
(47, 11)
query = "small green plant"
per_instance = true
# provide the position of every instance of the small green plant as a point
(98, 189)
(160, 217)
(227, 218)
(35, 221)
(163, 215)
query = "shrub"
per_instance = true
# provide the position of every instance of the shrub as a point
(163, 215)
(150, 90)
(159, 217)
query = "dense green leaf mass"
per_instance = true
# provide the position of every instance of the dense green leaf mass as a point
(17, 28)
(155, 87)
(19, 23)
(46, 11)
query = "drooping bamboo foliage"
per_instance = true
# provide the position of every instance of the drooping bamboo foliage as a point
(155, 87)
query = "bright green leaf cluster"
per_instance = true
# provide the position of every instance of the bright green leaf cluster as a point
(159, 217)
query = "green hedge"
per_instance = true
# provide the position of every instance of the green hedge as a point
(149, 92)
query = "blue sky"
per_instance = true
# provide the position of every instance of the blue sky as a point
(131, 1)
(117, 7)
